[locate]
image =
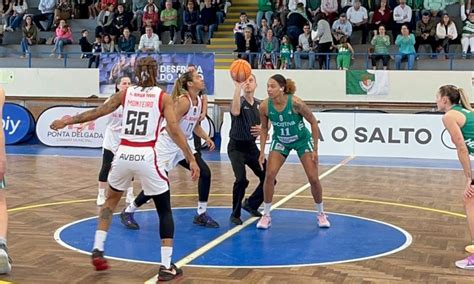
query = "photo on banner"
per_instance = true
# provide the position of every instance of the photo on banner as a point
(171, 66)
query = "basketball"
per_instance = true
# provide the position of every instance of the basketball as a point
(240, 70)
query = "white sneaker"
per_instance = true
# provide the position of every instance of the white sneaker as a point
(5, 262)
(323, 221)
(171, 42)
(265, 222)
(130, 197)
(100, 199)
(467, 263)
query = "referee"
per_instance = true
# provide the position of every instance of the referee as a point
(242, 149)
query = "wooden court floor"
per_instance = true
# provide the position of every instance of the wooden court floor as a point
(438, 238)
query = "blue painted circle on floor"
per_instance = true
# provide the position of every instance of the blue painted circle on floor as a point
(293, 240)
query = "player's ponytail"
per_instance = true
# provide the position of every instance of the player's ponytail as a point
(465, 99)
(290, 87)
(177, 89)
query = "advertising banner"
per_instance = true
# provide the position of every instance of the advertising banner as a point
(18, 123)
(376, 135)
(114, 66)
(89, 134)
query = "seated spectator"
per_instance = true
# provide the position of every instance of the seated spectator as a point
(313, 7)
(323, 37)
(63, 11)
(207, 22)
(401, 16)
(105, 21)
(108, 45)
(305, 48)
(269, 47)
(295, 23)
(151, 3)
(381, 43)
(174, 3)
(63, 37)
(30, 35)
(127, 5)
(434, 6)
(329, 9)
(149, 42)
(190, 21)
(425, 32)
(46, 8)
(357, 16)
(19, 10)
(262, 30)
(138, 9)
(169, 19)
(6, 10)
(265, 9)
(278, 28)
(96, 50)
(467, 39)
(281, 9)
(122, 19)
(86, 46)
(382, 16)
(150, 19)
(446, 33)
(249, 49)
(341, 28)
(344, 54)
(286, 53)
(406, 48)
(126, 43)
(240, 27)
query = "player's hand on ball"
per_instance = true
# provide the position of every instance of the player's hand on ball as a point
(57, 124)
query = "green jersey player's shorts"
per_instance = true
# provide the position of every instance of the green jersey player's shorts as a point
(301, 147)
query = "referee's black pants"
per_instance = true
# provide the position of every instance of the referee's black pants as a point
(241, 154)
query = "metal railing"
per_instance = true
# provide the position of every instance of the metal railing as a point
(328, 57)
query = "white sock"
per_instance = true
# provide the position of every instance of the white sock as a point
(202, 207)
(130, 190)
(166, 253)
(320, 207)
(101, 191)
(99, 240)
(131, 208)
(266, 208)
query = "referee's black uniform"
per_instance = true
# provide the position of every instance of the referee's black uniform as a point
(242, 150)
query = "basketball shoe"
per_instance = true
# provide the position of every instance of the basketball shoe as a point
(168, 274)
(265, 222)
(323, 221)
(98, 260)
(128, 220)
(5, 260)
(467, 263)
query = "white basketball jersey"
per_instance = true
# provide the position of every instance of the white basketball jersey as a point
(115, 120)
(191, 118)
(142, 116)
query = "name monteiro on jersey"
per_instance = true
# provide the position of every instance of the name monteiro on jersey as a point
(139, 103)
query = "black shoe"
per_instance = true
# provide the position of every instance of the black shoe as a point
(205, 220)
(168, 274)
(253, 212)
(235, 220)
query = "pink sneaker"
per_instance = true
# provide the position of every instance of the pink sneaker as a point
(323, 221)
(467, 263)
(265, 222)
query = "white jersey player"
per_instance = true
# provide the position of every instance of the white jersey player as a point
(145, 108)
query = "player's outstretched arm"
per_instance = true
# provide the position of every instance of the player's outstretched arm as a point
(107, 107)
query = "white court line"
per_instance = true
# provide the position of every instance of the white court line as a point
(187, 259)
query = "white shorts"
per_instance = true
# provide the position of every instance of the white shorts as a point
(139, 162)
(169, 154)
(111, 140)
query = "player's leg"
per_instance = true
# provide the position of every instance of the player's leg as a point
(237, 161)
(107, 158)
(5, 262)
(468, 263)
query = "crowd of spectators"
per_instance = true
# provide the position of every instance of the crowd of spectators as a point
(288, 31)
(117, 21)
